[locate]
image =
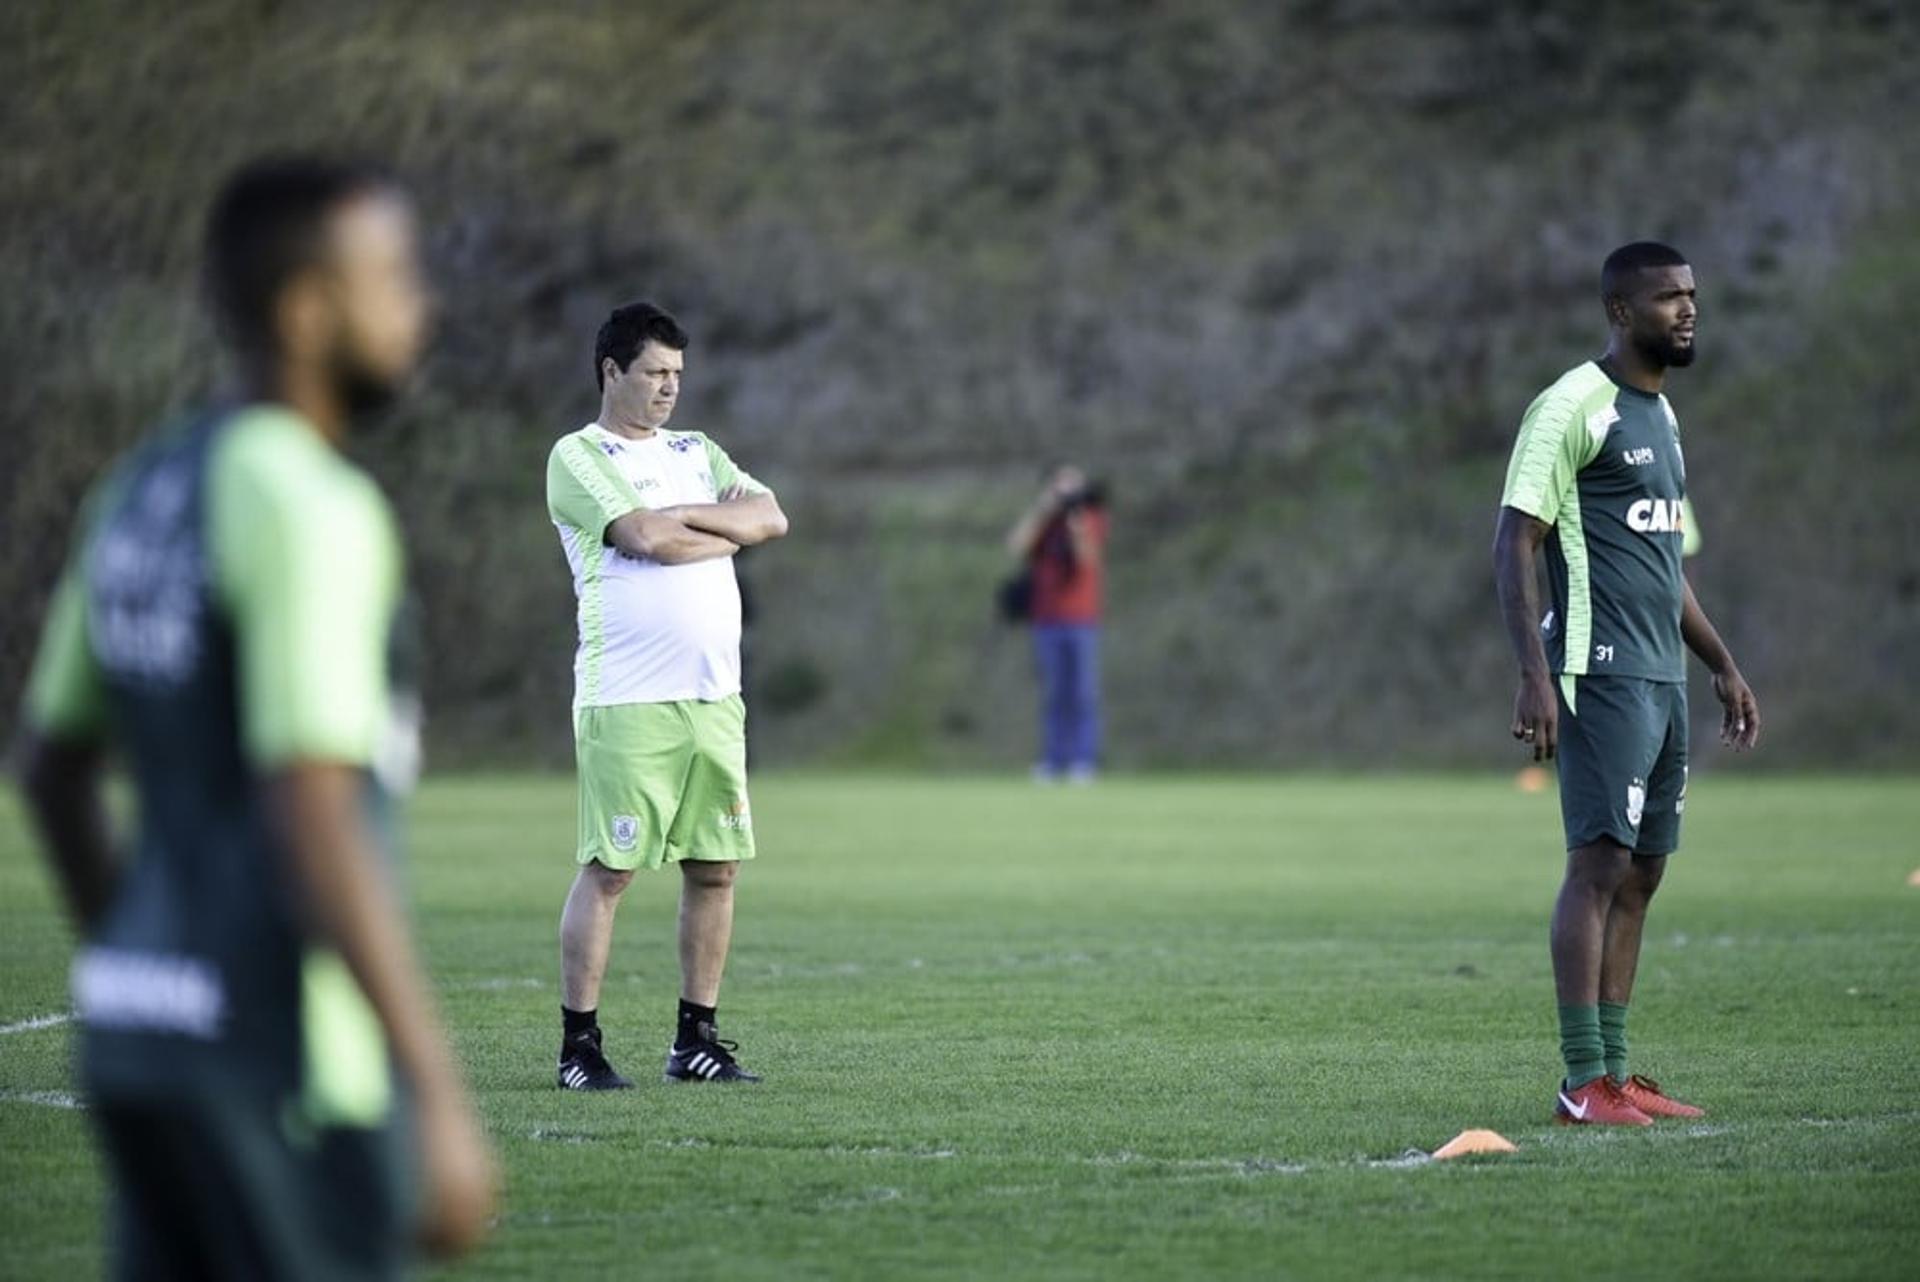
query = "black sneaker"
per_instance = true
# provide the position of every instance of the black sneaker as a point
(706, 1059)
(584, 1068)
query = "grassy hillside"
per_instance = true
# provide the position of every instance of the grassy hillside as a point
(1286, 274)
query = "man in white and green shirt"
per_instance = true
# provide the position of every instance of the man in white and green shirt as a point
(650, 520)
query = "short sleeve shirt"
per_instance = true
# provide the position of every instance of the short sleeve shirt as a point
(230, 609)
(302, 552)
(1601, 464)
(648, 633)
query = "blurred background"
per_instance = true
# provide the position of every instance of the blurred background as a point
(1284, 274)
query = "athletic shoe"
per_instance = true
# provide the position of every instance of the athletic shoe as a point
(1644, 1094)
(584, 1068)
(706, 1059)
(1597, 1103)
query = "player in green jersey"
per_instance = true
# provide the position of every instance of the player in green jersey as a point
(1598, 482)
(256, 1035)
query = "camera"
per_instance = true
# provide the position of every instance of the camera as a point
(1092, 494)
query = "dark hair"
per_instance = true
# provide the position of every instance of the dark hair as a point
(267, 225)
(1617, 273)
(628, 330)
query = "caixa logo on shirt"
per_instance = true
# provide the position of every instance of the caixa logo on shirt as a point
(1657, 516)
(147, 583)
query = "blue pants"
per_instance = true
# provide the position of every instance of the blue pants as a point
(1068, 657)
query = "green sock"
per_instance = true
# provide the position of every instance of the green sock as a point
(1580, 1044)
(1613, 1036)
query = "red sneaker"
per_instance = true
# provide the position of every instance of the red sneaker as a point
(1644, 1094)
(1598, 1103)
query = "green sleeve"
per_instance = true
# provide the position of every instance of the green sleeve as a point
(1554, 444)
(727, 473)
(65, 696)
(307, 564)
(584, 489)
(66, 692)
(1690, 529)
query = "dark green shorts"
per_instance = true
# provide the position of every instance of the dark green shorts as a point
(1623, 762)
(214, 1190)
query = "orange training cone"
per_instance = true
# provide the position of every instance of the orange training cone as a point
(1531, 779)
(1474, 1142)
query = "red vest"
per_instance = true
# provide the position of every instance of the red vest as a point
(1065, 590)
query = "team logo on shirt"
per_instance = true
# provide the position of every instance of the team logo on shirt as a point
(1657, 516)
(148, 577)
(626, 831)
(1601, 421)
(681, 444)
(1636, 801)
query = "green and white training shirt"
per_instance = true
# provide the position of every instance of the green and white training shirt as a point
(230, 610)
(1600, 463)
(649, 633)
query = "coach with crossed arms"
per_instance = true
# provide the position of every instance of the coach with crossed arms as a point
(650, 520)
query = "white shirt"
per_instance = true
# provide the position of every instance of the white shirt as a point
(649, 633)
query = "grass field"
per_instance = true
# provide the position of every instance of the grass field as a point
(1179, 1027)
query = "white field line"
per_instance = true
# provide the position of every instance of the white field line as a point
(37, 1022)
(46, 1099)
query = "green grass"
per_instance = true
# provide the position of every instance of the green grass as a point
(1164, 1027)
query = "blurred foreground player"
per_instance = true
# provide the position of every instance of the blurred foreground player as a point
(1597, 478)
(258, 1048)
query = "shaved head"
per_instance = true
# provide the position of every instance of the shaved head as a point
(1624, 265)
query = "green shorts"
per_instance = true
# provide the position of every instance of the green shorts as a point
(1623, 762)
(663, 782)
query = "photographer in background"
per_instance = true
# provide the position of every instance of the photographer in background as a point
(1062, 541)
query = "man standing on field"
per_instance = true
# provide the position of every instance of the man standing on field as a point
(650, 520)
(262, 1058)
(1597, 478)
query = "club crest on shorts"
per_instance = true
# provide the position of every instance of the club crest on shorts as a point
(1636, 801)
(626, 831)
(736, 816)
